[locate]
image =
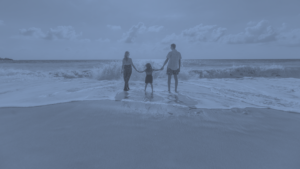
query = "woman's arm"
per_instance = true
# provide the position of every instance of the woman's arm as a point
(122, 66)
(133, 66)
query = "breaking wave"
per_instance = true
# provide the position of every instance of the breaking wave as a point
(249, 71)
(112, 71)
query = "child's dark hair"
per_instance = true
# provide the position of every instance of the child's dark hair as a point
(148, 67)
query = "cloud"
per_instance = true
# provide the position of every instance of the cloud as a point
(155, 28)
(263, 32)
(260, 32)
(58, 33)
(204, 33)
(290, 38)
(255, 32)
(62, 32)
(32, 32)
(135, 30)
(199, 33)
(1, 22)
(170, 38)
(113, 27)
(130, 35)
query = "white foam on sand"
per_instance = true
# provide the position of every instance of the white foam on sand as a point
(124, 134)
(276, 93)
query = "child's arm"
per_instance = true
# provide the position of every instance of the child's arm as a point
(140, 71)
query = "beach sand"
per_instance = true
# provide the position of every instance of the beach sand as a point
(120, 134)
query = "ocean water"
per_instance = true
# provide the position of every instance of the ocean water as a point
(220, 84)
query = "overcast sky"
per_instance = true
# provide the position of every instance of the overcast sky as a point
(105, 29)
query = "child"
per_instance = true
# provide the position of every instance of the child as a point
(149, 77)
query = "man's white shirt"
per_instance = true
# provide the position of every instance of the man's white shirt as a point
(174, 56)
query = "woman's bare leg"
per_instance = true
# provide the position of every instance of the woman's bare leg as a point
(151, 87)
(146, 86)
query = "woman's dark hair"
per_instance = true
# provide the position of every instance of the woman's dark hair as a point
(126, 55)
(148, 67)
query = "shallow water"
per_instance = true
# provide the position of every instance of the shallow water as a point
(202, 83)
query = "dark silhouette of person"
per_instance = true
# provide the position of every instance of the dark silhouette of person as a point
(127, 70)
(174, 59)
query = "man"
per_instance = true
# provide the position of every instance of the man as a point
(174, 59)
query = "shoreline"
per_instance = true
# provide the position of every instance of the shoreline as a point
(150, 103)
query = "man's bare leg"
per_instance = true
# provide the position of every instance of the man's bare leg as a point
(169, 82)
(176, 82)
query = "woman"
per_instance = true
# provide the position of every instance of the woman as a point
(127, 70)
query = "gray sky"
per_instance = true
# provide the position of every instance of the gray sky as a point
(105, 29)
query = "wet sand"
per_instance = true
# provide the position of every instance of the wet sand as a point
(119, 134)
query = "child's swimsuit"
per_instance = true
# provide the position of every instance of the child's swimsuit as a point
(149, 77)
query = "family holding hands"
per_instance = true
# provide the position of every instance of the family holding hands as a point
(173, 59)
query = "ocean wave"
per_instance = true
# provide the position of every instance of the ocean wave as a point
(249, 71)
(112, 71)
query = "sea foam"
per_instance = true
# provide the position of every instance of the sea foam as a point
(112, 71)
